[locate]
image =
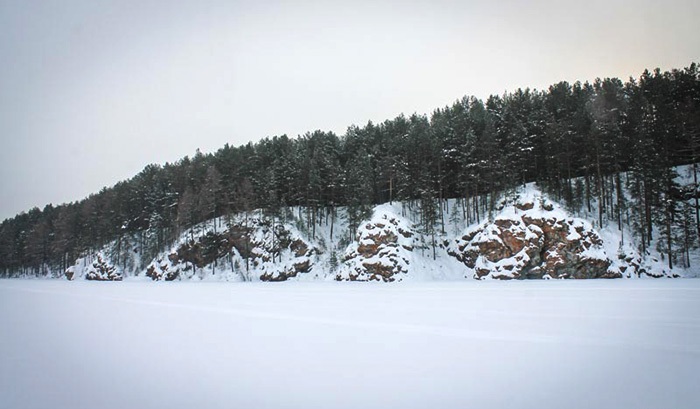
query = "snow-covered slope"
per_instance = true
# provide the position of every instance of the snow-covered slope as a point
(527, 236)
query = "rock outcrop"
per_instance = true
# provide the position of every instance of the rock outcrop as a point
(100, 270)
(533, 239)
(167, 270)
(94, 267)
(382, 251)
(529, 237)
(252, 249)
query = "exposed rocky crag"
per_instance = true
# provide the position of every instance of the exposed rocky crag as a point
(100, 269)
(528, 237)
(252, 248)
(533, 239)
(382, 251)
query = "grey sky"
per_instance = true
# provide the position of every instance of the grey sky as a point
(92, 91)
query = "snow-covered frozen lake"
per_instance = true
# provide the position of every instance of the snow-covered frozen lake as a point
(532, 344)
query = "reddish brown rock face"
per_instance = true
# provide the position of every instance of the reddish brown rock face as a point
(300, 267)
(564, 254)
(524, 206)
(165, 271)
(253, 240)
(533, 247)
(380, 272)
(380, 252)
(102, 271)
(299, 248)
(370, 245)
(508, 239)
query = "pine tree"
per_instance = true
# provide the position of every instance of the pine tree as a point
(211, 195)
(359, 189)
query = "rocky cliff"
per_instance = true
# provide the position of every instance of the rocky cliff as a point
(382, 250)
(527, 237)
(533, 239)
(247, 249)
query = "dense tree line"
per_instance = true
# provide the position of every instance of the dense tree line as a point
(586, 143)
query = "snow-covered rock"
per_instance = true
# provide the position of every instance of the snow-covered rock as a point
(249, 249)
(100, 269)
(533, 238)
(167, 269)
(529, 237)
(382, 251)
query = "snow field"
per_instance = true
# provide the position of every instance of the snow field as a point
(544, 344)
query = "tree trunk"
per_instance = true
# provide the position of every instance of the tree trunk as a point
(588, 192)
(391, 190)
(332, 222)
(601, 196)
(695, 193)
(247, 249)
(669, 240)
(619, 201)
(669, 222)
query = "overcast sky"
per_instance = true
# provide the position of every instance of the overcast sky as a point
(92, 91)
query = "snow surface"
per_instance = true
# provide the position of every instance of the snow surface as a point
(520, 344)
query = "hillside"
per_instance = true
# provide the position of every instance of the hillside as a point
(528, 236)
(607, 151)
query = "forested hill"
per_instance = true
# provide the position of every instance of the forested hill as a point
(584, 143)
